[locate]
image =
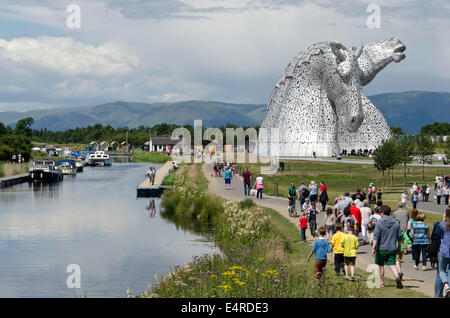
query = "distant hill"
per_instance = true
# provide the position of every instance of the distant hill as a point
(410, 110)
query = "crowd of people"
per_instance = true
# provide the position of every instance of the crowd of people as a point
(391, 235)
(422, 193)
(350, 222)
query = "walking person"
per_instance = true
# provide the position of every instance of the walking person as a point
(421, 238)
(330, 221)
(402, 217)
(321, 249)
(313, 191)
(365, 218)
(374, 218)
(427, 193)
(259, 185)
(411, 222)
(14, 158)
(443, 272)
(350, 244)
(386, 242)
(438, 195)
(356, 212)
(246, 175)
(323, 197)
(338, 250)
(404, 198)
(292, 196)
(446, 193)
(303, 222)
(414, 198)
(227, 178)
(303, 194)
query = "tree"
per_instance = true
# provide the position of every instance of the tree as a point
(2, 129)
(386, 157)
(23, 127)
(405, 152)
(396, 131)
(424, 149)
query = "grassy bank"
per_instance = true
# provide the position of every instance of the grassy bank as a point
(262, 255)
(9, 169)
(153, 156)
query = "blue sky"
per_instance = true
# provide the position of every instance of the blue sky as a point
(225, 50)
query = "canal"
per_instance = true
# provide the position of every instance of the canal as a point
(95, 221)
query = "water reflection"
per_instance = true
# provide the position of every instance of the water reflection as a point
(94, 221)
(151, 209)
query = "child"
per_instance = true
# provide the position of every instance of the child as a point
(350, 245)
(338, 250)
(303, 225)
(321, 248)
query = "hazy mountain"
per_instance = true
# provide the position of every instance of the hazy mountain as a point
(410, 110)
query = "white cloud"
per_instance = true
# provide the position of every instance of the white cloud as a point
(68, 57)
(233, 51)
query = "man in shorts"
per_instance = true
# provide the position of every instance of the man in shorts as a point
(387, 241)
(227, 178)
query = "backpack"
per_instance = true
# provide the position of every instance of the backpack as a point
(305, 193)
(371, 224)
(349, 222)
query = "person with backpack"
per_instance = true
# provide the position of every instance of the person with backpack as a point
(323, 196)
(374, 218)
(348, 220)
(303, 194)
(292, 196)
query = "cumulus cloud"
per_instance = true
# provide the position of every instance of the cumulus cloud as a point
(230, 50)
(68, 57)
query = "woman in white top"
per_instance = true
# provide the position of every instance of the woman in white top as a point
(404, 198)
(365, 215)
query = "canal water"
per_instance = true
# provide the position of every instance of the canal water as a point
(95, 221)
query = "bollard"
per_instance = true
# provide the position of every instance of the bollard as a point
(276, 189)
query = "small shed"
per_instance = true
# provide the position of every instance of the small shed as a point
(104, 146)
(162, 144)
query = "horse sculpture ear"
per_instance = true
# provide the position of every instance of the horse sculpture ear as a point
(359, 50)
(336, 49)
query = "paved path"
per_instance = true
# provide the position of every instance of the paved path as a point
(431, 205)
(417, 280)
(356, 161)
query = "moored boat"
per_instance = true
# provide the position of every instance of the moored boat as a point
(68, 167)
(99, 158)
(45, 171)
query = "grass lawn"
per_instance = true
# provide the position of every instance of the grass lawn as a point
(342, 177)
(153, 157)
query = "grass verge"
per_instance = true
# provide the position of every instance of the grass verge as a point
(154, 157)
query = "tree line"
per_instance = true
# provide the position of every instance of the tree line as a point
(16, 140)
(401, 150)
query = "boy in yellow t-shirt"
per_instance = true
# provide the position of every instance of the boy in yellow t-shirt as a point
(350, 244)
(338, 250)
